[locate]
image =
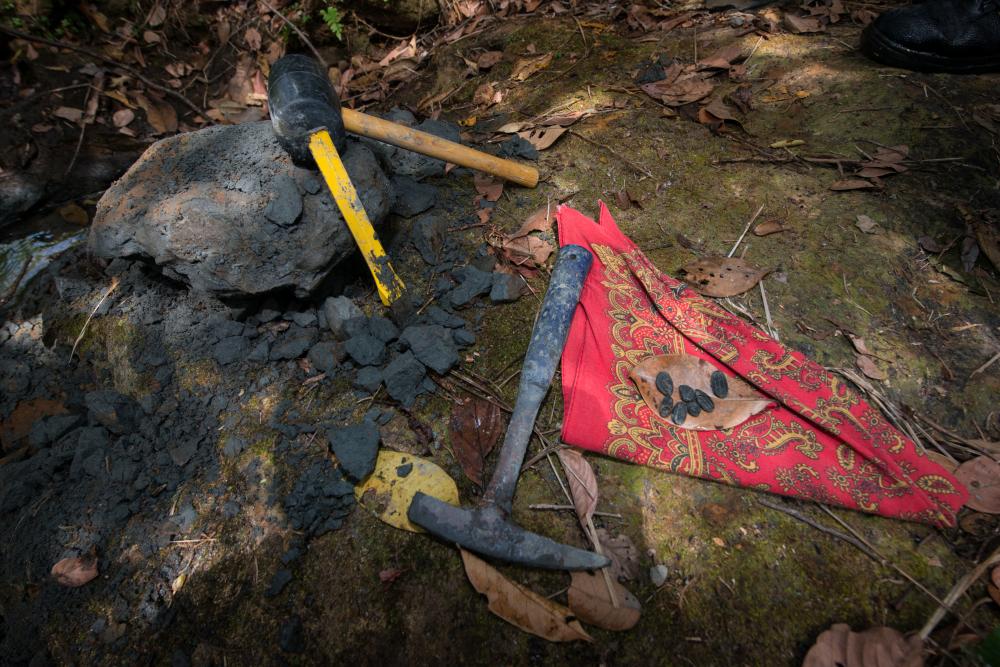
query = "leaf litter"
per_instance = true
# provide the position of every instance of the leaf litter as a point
(722, 276)
(475, 426)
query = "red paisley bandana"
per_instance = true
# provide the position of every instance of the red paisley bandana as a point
(819, 440)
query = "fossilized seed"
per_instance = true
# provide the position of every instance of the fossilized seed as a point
(720, 386)
(704, 402)
(686, 392)
(680, 413)
(664, 383)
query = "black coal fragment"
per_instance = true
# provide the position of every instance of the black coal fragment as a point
(432, 345)
(680, 413)
(664, 383)
(720, 386)
(686, 392)
(280, 579)
(706, 403)
(355, 447)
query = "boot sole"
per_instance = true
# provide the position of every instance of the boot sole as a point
(878, 47)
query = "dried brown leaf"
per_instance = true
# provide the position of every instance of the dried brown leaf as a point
(69, 113)
(680, 91)
(564, 119)
(75, 572)
(161, 116)
(930, 245)
(539, 221)
(489, 187)
(875, 647)
(851, 184)
(74, 214)
(866, 224)
(722, 276)
(122, 117)
(768, 227)
(866, 364)
(988, 238)
(526, 67)
(723, 58)
(981, 476)
(484, 94)
(252, 38)
(623, 554)
(582, 483)
(475, 427)
(157, 15)
(803, 24)
(590, 601)
(520, 606)
(489, 59)
(742, 402)
(542, 137)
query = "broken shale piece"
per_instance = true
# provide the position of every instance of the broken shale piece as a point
(356, 448)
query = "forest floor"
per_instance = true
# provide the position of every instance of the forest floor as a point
(746, 584)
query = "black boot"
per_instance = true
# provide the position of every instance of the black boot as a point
(960, 36)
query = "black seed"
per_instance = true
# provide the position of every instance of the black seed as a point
(680, 413)
(666, 406)
(693, 408)
(704, 402)
(720, 387)
(687, 393)
(664, 383)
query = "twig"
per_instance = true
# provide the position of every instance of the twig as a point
(543, 506)
(956, 592)
(109, 61)
(302, 36)
(982, 368)
(767, 312)
(745, 230)
(795, 514)
(83, 330)
(633, 165)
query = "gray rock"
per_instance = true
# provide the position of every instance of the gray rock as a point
(412, 197)
(383, 328)
(368, 379)
(357, 326)
(305, 318)
(118, 413)
(473, 283)
(338, 310)
(517, 147)
(427, 235)
(440, 316)
(89, 456)
(407, 163)
(432, 345)
(18, 193)
(506, 288)
(50, 429)
(280, 579)
(365, 350)
(463, 337)
(326, 355)
(233, 445)
(658, 575)
(293, 343)
(403, 378)
(217, 209)
(260, 352)
(355, 447)
(183, 452)
(231, 349)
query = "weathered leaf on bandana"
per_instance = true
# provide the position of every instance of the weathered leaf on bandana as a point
(475, 428)
(981, 476)
(875, 647)
(389, 490)
(851, 184)
(542, 137)
(768, 227)
(742, 402)
(582, 483)
(489, 59)
(803, 24)
(623, 554)
(723, 58)
(866, 224)
(722, 276)
(75, 572)
(520, 606)
(488, 186)
(866, 364)
(525, 67)
(161, 116)
(590, 601)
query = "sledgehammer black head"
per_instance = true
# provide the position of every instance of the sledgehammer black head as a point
(302, 100)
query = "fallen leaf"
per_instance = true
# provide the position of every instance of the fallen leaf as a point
(542, 137)
(803, 24)
(788, 143)
(389, 490)
(520, 606)
(75, 572)
(851, 184)
(929, 245)
(74, 214)
(679, 91)
(511, 128)
(582, 483)
(722, 276)
(389, 575)
(859, 344)
(716, 112)
(69, 113)
(475, 427)
(161, 116)
(122, 117)
(156, 15)
(623, 554)
(526, 67)
(488, 186)
(981, 476)
(768, 227)
(988, 236)
(866, 224)
(564, 119)
(252, 38)
(590, 600)
(623, 200)
(723, 58)
(151, 37)
(489, 59)
(742, 402)
(875, 647)
(539, 221)
(970, 253)
(867, 365)
(484, 94)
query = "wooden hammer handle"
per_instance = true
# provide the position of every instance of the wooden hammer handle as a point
(442, 149)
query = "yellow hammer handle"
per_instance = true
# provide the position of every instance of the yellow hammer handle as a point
(390, 287)
(427, 144)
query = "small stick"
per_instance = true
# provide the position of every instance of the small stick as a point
(795, 514)
(982, 368)
(83, 330)
(956, 592)
(767, 312)
(745, 230)
(543, 506)
(633, 165)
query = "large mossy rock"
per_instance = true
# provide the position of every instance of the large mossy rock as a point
(225, 211)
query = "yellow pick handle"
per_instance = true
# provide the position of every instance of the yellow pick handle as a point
(390, 287)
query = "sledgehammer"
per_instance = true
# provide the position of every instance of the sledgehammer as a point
(488, 529)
